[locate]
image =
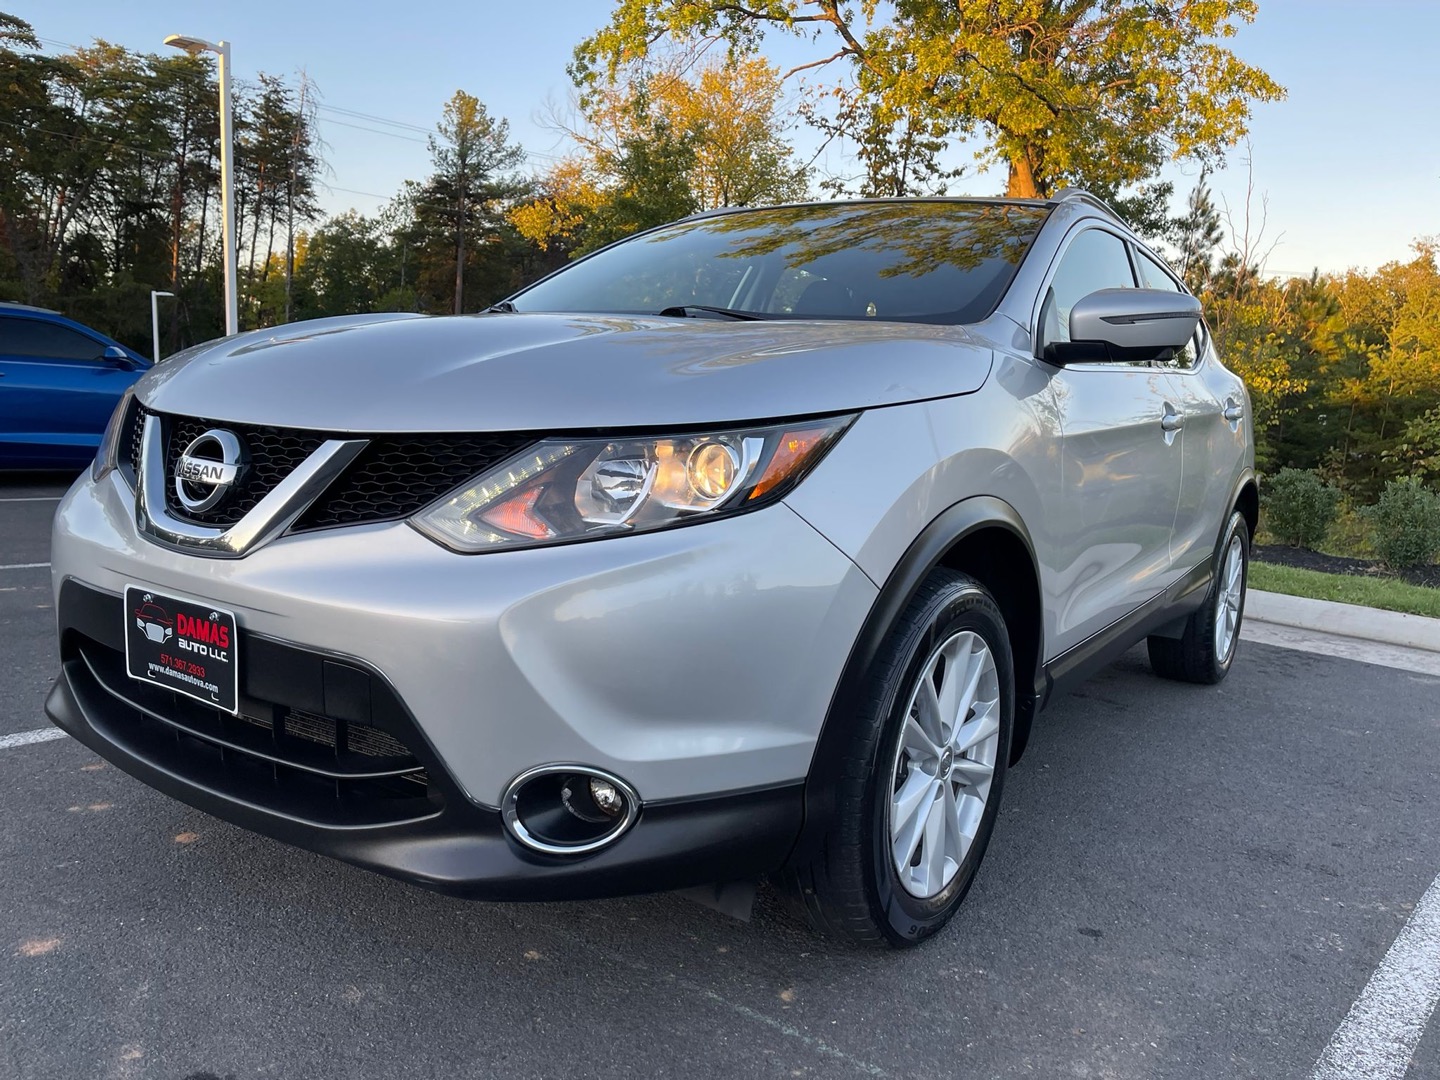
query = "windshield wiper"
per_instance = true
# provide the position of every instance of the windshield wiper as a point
(683, 311)
(503, 306)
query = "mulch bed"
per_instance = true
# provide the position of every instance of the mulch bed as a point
(1281, 555)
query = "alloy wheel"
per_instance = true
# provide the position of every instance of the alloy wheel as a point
(944, 764)
(1227, 606)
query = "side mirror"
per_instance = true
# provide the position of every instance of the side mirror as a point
(1121, 325)
(117, 356)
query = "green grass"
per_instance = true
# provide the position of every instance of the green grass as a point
(1347, 589)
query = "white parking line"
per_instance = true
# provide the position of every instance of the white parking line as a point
(32, 498)
(25, 566)
(26, 738)
(1381, 1031)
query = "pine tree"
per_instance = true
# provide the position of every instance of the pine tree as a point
(1198, 235)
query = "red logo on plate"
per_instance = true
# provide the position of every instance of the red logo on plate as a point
(154, 622)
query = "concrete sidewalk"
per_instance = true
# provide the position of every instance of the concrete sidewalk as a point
(1369, 635)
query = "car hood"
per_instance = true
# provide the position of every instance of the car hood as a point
(547, 372)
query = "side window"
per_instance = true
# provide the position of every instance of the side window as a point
(1155, 277)
(31, 337)
(1094, 260)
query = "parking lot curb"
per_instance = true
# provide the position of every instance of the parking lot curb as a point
(1347, 620)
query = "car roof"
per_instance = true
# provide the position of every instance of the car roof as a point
(1060, 198)
(11, 306)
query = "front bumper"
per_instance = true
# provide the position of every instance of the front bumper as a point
(697, 664)
(438, 839)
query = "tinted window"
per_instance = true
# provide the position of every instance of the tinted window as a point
(1155, 277)
(942, 262)
(1094, 260)
(31, 337)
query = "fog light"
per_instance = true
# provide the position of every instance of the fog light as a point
(568, 809)
(606, 797)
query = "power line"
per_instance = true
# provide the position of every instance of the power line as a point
(372, 118)
(373, 131)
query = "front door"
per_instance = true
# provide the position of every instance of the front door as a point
(56, 393)
(1122, 437)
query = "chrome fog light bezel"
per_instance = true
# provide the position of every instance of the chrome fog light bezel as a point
(510, 811)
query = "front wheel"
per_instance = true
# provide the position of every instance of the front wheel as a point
(916, 806)
(1205, 650)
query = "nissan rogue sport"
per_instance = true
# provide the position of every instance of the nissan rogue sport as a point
(750, 545)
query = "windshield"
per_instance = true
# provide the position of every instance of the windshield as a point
(938, 262)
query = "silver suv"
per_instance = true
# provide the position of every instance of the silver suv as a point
(747, 546)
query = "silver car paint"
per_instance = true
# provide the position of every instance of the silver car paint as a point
(1064, 446)
(701, 659)
(538, 372)
(675, 659)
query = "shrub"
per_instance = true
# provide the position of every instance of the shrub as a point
(1405, 523)
(1299, 506)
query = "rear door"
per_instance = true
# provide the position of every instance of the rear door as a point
(56, 393)
(1121, 459)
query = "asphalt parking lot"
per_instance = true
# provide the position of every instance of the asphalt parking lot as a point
(1184, 882)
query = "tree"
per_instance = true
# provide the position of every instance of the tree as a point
(474, 173)
(1198, 235)
(666, 141)
(1099, 92)
(587, 202)
(729, 114)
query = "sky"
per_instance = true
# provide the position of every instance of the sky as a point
(1346, 170)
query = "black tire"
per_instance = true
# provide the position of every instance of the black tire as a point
(1192, 657)
(850, 889)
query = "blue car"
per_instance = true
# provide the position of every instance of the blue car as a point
(59, 383)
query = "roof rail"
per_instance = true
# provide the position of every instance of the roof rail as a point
(1081, 195)
(27, 307)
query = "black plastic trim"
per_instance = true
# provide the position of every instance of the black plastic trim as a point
(1078, 663)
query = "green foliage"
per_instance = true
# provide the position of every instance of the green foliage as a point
(652, 188)
(109, 186)
(1299, 507)
(661, 143)
(1406, 523)
(1418, 450)
(1098, 92)
(460, 222)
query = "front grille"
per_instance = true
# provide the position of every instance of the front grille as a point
(397, 475)
(393, 477)
(273, 454)
(132, 441)
(322, 769)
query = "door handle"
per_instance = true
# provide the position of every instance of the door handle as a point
(1172, 420)
(1234, 413)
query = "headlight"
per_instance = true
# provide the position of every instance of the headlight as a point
(580, 489)
(105, 457)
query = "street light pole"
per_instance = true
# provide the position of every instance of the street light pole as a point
(194, 46)
(227, 196)
(155, 295)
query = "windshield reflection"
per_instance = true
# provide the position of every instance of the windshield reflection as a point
(936, 261)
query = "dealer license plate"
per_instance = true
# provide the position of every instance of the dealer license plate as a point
(182, 645)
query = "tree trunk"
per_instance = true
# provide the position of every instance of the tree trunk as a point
(460, 257)
(1021, 184)
(289, 252)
